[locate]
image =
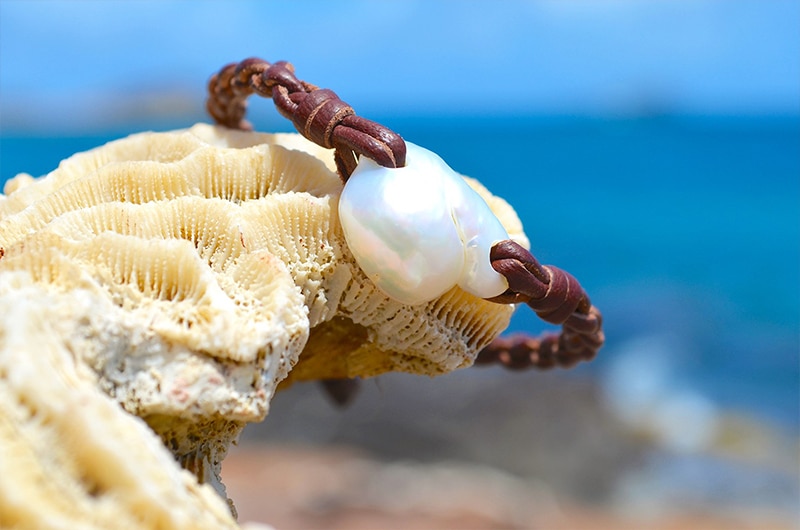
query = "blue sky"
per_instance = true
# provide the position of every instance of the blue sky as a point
(70, 64)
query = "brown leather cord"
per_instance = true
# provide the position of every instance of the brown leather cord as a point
(322, 117)
(318, 114)
(556, 297)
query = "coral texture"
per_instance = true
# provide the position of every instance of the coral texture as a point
(69, 457)
(183, 276)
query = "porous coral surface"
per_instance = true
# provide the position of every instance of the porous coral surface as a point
(180, 277)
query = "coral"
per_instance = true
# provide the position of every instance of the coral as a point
(181, 277)
(70, 457)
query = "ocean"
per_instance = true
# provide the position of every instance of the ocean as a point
(685, 232)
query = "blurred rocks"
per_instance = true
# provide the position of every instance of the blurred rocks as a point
(548, 426)
(486, 448)
(340, 489)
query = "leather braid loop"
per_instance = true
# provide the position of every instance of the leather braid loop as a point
(556, 297)
(318, 114)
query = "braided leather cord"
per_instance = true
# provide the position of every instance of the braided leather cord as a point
(556, 297)
(319, 115)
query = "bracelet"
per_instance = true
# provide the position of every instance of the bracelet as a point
(322, 117)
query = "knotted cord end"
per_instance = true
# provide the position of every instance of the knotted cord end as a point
(318, 114)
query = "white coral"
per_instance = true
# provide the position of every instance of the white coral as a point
(185, 275)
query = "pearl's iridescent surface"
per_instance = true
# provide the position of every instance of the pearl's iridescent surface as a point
(419, 230)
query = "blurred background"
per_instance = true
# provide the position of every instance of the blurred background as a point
(652, 149)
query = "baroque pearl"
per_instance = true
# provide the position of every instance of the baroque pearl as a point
(419, 230)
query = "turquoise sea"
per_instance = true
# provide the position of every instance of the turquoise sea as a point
(685, 231)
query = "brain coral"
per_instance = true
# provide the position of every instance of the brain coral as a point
(184, 275)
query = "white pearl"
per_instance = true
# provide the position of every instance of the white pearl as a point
(479, 229)
(419, 230)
